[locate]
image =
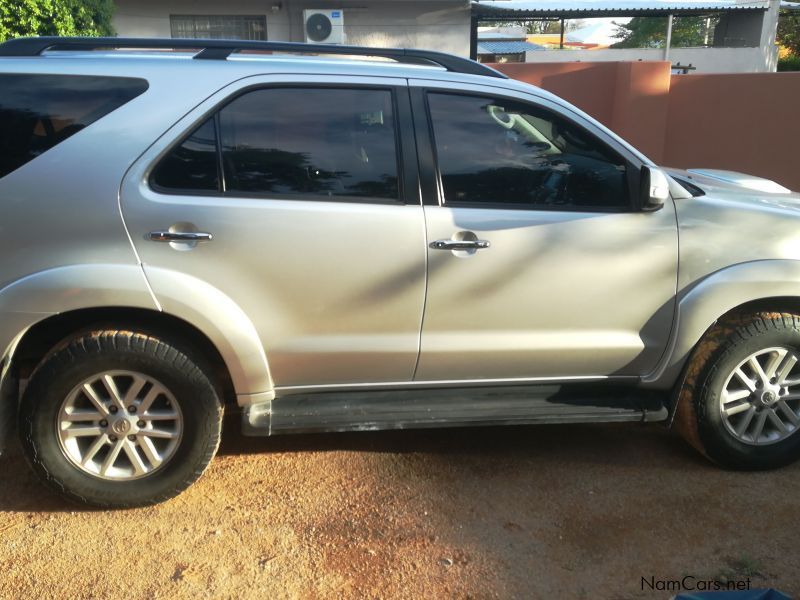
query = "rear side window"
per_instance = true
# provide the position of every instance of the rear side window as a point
(291, 142)
(37, 112)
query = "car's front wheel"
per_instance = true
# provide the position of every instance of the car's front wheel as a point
(744, 389)
(119, 419)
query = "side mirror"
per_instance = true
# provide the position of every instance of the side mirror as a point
(654, 189)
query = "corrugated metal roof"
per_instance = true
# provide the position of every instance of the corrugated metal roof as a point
(506, 47)
(610, 7)
(491, 35)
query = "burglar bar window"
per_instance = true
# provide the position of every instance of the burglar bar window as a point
(232, 27)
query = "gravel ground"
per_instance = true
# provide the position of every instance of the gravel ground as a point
(535, 512)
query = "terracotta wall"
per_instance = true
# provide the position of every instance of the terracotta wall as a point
(747, 122)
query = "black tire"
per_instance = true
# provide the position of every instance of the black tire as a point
(97, 352)
(724, 347)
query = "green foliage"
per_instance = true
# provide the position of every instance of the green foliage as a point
(789, 31)
(55, 17)
(789, 63)
(651, 32)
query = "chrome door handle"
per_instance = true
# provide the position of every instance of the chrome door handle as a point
(179, 236)
(460, 244)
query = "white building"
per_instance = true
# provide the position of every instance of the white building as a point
(441, 24)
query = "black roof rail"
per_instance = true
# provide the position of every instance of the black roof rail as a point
(221, 49)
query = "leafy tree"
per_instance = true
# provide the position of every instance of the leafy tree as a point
(789, 31)
(55, 17)
(651, 32)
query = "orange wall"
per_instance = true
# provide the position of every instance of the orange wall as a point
(747, 122)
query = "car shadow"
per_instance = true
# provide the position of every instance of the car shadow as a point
(478, 449)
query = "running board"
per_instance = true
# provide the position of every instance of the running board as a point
(455, 407)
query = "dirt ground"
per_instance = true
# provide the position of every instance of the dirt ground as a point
(533, 512)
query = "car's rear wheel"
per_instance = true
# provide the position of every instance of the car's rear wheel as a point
(742, 394)
(119, 419)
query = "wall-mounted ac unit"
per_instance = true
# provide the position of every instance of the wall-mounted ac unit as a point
(324, 26)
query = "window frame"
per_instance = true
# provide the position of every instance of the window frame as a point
(429, 163)
(405, 148)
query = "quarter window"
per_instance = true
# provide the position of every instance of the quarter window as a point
(38, 112)
(194, 165)
(507, 153)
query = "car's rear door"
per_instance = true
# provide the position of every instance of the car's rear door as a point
(312, 201)
(540, 264)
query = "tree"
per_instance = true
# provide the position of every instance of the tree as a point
(651, 32)
(55, 17)
(789, 31)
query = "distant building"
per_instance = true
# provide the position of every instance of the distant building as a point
(504, 44)
(743, 40)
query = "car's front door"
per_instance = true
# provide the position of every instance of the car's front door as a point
(539, 264)
(318, 236)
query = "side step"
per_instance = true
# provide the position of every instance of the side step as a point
(454, 407)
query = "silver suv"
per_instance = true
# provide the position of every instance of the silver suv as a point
(334, 244)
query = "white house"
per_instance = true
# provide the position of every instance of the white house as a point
(434, 24)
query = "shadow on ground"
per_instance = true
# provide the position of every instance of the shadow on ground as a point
(485, 449)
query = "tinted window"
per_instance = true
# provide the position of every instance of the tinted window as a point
(39, 111)
(323, 142)
(493, 151)
(193, 165)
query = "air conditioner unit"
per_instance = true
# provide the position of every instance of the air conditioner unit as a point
(324, 26)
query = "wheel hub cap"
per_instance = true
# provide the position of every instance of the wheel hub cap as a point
(122, 427)
(119, 425)
(760, 400)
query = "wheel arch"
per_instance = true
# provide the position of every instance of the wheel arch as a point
(49, 333)
(45, 305)
(756, 285)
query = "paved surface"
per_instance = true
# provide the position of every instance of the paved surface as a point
(536, 512)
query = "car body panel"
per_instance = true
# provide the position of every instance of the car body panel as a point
(259, 302)
(335, 289)
(558, 293)
(737, 245)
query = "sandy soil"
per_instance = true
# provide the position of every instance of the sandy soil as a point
(536, 512)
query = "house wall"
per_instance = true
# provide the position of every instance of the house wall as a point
(439, 25)
(742, 122)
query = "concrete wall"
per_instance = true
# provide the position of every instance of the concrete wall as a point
(707, 60)
(741, 122)
(441, 25)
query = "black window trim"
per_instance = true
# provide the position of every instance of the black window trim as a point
(420, 96)
(405, 149)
